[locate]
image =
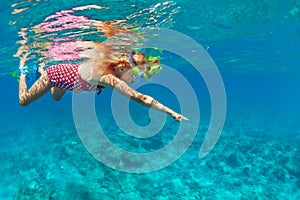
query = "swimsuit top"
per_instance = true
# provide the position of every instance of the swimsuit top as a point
(66, 77)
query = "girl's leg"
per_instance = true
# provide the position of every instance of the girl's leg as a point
(57, 93)
(38, 89)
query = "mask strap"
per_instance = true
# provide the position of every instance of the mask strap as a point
(130, 59)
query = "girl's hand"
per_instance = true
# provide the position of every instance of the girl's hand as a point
(178, 117)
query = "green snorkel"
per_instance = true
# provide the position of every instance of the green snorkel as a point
(152, 68)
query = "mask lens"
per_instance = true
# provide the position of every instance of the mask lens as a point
(154, 69)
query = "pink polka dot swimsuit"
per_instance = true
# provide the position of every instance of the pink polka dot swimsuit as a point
(66, 77)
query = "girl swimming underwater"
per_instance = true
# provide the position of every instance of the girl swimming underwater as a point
(102, 69)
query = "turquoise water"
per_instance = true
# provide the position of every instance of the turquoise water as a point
(255, 45)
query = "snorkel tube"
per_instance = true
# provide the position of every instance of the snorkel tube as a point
(153, 66)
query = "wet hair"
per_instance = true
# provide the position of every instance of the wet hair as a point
(121, 64)
(151, 62)
(138, 58)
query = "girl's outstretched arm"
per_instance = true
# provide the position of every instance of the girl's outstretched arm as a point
(116, 83)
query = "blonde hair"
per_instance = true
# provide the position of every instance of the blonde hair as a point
(137, 57)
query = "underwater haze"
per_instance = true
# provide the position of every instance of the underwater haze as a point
(255, 45)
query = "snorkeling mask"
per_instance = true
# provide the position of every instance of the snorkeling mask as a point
(148, 73)
(151, 69)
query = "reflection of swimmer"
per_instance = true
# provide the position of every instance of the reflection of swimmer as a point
(90, 76)
(65, 19)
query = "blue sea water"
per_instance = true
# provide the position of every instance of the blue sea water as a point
(255, 45)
